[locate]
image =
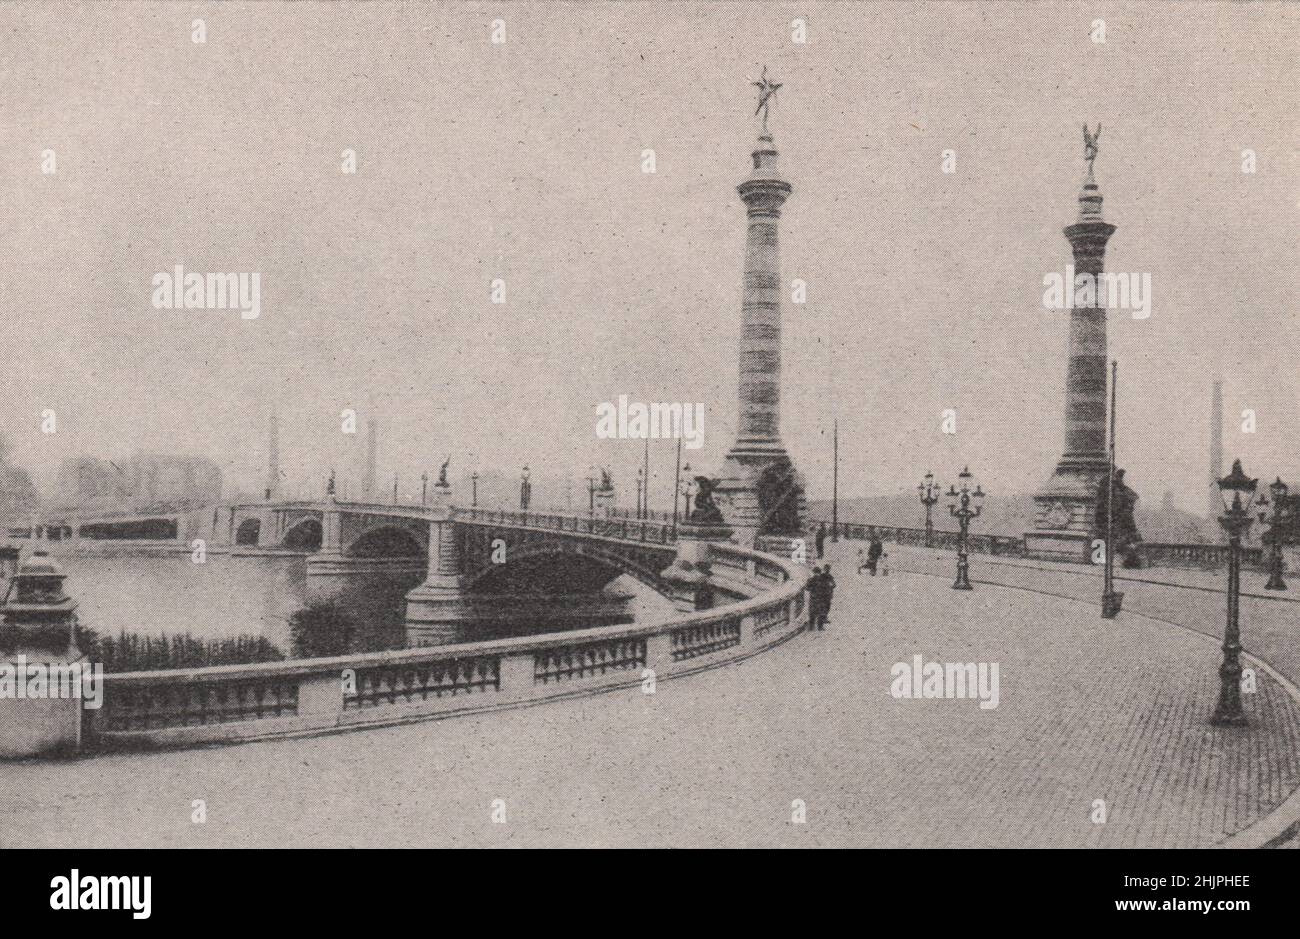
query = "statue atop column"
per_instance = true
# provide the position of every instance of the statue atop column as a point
(766, 90)
(442, 474)
(1090, 147)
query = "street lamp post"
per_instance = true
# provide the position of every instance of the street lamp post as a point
(1274, 535)
(960, 505)
(1236, 521)
(424, 487)
(683, 489)
(525, 489)
(473, 496)
(835, 484)
(394, 489)
(929, 496)
(591, 492)
(640, 481)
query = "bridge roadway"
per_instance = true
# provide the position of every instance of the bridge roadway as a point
(1089, 709)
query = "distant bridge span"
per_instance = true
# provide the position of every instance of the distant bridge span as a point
(480, 550)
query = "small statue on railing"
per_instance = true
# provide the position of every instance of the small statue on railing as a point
(442, 474)
(606, 481)
(706, 511)
(329, 485)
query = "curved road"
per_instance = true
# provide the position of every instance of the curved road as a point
(1089, 710)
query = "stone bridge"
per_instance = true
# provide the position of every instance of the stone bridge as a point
(478, 563)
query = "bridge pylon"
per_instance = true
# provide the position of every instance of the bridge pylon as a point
(442, 600)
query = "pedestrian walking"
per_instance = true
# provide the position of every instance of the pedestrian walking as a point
(821, 540)
(873, 555)
(816, 595)
(828, 595)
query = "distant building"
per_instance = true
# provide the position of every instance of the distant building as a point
(17, 494)
(138, 482)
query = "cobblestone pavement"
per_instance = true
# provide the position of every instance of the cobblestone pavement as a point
(1089, 709)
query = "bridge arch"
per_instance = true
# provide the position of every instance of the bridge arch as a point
(385, 541)
(248, 532)
(305, 535)
(563, 566)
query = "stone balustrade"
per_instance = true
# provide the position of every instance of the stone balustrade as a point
(625, 529)
(1153, 553)
(186, 707)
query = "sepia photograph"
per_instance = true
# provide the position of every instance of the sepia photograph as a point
(650, 425)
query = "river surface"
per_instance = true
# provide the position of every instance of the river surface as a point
(225, 597)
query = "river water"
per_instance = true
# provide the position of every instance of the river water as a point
(151, 594)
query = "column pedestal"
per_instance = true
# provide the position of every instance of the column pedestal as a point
(690, 575)
(329, 559)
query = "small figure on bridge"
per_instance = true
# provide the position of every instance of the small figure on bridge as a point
(329, 485)
(706, 511)
(1125, 536)
(821, 540)
(821, 587)
(875, 551)
(828, 585)
(606, 481)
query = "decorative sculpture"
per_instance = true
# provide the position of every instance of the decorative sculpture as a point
(706, 511)
(765, 91)
(1090, 146)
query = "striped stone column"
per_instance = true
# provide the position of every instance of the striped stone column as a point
(1085, 382)
(759, 492)
(1064, 523)
(764, 192)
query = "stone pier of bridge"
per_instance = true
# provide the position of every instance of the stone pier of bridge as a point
(441, 600)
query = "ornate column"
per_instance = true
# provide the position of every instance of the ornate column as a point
(1066, 505)
(760, 492)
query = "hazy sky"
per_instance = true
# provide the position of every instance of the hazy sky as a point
(523, 161)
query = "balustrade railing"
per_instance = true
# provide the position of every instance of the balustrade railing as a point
(195, 704)
(589, 660)
(235, 702)
(1153, 554)
(601, 526)
(404, 685)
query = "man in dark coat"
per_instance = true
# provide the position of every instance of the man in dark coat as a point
(821, 540)
(828, 594)
(1125, 534)
(873, 555)
(816, 594)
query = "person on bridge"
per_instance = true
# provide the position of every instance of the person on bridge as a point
(816, 599)
(821, 540)
(874, 553)
(828, 594)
